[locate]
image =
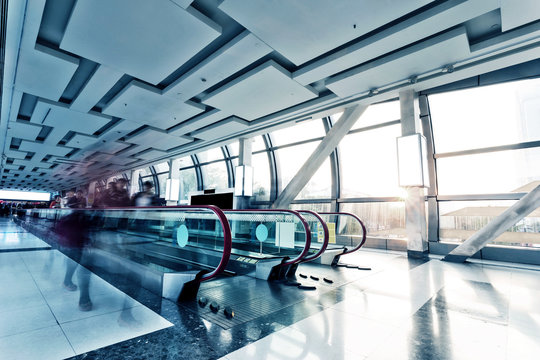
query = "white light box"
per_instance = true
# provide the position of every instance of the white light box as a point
(172, 190)
(412, 161)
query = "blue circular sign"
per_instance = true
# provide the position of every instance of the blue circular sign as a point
(182, 235)
(261, 232)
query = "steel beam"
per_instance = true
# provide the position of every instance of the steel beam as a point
(496, 227)
(321, 153)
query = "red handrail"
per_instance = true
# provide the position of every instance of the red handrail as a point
(364, 231)
(302, 220)
(326, 236)
(227, 238)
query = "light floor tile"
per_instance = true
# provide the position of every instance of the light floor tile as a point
(291, 343)
(43, 344)
(26, 319)
(103, 330)
(345, 330)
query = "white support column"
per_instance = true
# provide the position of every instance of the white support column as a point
(415, 208)
(321, 153)
(244, 159)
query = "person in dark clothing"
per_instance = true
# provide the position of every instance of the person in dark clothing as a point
(120, 195)
(77, 202)
(56, 203)
(146, 197)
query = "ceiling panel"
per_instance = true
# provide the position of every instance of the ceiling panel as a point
(44, 72)
(198, 122)
(44, 149)
(151, 154)
(23, 130)
(439, 18)
(307, 23)
(426, 56)
(144, 104)
(166, 35)
(99, 84)
(516, 13)
(223, 128)
(14, 154)
(81, 141)
(264, 90)
(61, 118)
(112, 147)
(232, 57)
(158, 140)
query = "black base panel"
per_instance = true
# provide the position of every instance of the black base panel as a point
(252, 298)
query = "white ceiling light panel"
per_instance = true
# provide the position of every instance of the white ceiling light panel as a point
(263, 90)
(299, 29)
(232, 57)
(159, 140)
(166, 35)
(143, 104)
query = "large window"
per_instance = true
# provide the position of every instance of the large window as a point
(261, 177)
(459, 220)
(291, 160)
(382, 219)
(486, 116)
(215, 175)
(302, 131)
(320, 184)
(369, 163)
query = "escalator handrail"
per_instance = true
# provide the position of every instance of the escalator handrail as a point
(364, 231)
(326, 236)
(227, 237)
(305, 250)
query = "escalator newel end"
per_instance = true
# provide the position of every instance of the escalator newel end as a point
(328, 280)
(314, 278)
(306, 287)
(303, 276)
(229, 313)
(214, 307)
(203, 301)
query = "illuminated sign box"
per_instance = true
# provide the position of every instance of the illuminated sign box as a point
(24, 195)
(412, 162)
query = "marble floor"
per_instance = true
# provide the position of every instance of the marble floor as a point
(41, 319)
(401, 309)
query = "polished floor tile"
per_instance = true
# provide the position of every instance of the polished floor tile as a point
(45, 344)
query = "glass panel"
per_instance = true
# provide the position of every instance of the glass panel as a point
(368, 163)
(164, 166)
(261, 177)
(188, 181)
(302, 131)
(162, 180)
(318, 207)
(266, 233)
(335, 117)
(320, 184)
(486, 116)
(378, 114)
(382, 219)
(258, 144)
(185, 162)
(215, 175)
(145, 171)
(459, 220)
(210, 155)
(497, 172)
(291, 159)
(233, 148)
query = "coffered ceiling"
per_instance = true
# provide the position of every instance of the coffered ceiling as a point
(93, 87)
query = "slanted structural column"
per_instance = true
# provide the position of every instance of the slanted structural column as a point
(321, 153)
(415, 209)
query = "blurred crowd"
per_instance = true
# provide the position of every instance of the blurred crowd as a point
(115, 195)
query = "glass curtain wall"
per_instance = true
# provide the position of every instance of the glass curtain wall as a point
(487, 147)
